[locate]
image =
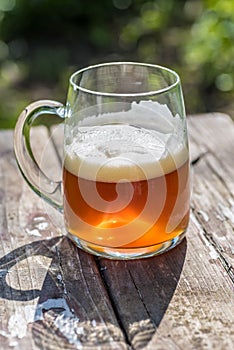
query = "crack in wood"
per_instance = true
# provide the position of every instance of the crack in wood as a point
(114, 307)
(141, 298)
(213, 169)
(143, 331)
(198, 158)
(60, 279)
(209, 237)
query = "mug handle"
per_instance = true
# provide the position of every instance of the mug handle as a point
(49, 190)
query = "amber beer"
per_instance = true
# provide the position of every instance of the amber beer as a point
(121, 196)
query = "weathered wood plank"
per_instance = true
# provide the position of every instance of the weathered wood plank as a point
(10, 235)
(48, 286)
(213, 183)
(190, 280)
(141, 291)
(54, 296)
(181, 298)
(202, 307)
(214, 135)
(82, 314)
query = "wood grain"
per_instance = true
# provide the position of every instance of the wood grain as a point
(55, 296)
(213, 183)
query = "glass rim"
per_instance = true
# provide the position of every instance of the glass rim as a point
(119, 63)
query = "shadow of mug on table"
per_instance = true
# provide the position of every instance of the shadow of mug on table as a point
(68, 312)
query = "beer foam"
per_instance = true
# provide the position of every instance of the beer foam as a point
(125, 152)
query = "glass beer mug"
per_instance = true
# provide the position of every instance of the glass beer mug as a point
(125, 190)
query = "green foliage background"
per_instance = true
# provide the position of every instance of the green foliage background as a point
(43, 41)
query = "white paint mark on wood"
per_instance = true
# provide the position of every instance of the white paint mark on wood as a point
(70, 329)
(34, 232)
(17, 326)
(38, 218)
(60, 280)
(94, 323)
(88, 333)
(204, 215)
(213, 253)
(43, 225)
(38, 224)
(12, 342)
(18, 323)
(220, 218)
(227, 212)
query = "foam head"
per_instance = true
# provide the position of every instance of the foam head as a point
(144, 142)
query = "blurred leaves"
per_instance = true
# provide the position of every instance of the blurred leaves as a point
(43, 41)
(210, 50)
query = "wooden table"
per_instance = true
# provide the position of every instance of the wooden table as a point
(55, 296)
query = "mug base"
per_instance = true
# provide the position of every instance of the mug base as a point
(127, 253)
